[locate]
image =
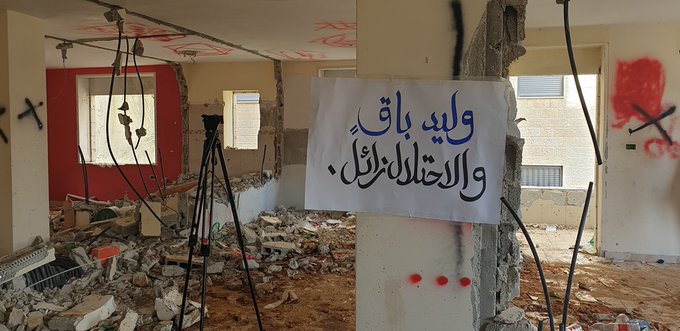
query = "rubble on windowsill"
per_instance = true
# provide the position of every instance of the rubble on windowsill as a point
(127, 280)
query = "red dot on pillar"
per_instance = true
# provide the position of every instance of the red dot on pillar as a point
(442, 281)
(415, 279)
(465, 282)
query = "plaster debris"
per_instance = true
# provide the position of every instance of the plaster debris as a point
(34, 320)
(16, 318)
(172, 271)
(129, 322)
(85, 315)
(510, 316)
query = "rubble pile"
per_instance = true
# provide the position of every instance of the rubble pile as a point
(130, 281)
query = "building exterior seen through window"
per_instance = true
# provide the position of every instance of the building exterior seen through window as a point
(241, 119)
(93, 99)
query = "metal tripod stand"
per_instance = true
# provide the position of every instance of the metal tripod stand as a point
(203, 217)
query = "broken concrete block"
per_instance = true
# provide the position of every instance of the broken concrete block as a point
(140, 279)
(86, 315)
(34, 320)
(129, 322)
(252, 264)
(150, 226)
(172, 271)
(48, 306)
(164, 326)
(271, 220)
(215, 268)
(274, 268)
(16, 318)
(166, 310)
(282, 246)
(79, 255)
(293, 264)
(3, 328)
(249, 235)
(112, 268)
(510, 316)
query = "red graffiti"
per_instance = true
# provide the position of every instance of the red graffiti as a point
(200, 49)
(656, 148)
(642, 83)
(132, 29)
(296, 54)
(338, 26)
(338, 40)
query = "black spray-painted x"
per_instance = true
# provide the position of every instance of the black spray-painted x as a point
(653, 121)
(2, 133)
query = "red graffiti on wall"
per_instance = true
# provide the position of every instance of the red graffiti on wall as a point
(338, 40)
(338, 26)
(638, 94)
(296, 54)
(132, 29)
(200, 49)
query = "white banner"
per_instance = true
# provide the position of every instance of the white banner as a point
(427, 149)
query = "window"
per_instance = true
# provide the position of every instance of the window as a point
(540, 86)
(241, 119)
(541, 175)
(93, 98)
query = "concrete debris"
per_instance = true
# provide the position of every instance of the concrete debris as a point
(16, 318)
(172, 271)
(522, 325)
(34, 320)
(136, 268)
(129, 322)
(510, 316)
(86, 315)
(141, 279)
(3, 328)
(287, 296)
(215, 268)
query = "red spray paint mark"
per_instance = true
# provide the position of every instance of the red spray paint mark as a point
(415, 279)
(656, 148)
(465, 282)
(640, 82)
(338, 40)
(338, 26)
(442, 281)
(201, 49)
(296, 54)
(132, 29)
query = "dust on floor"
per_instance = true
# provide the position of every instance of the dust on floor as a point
(640, 290)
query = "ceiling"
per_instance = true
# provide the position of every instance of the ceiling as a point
(280, 29)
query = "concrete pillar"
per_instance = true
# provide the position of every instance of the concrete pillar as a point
(412, 39)
(24, 200)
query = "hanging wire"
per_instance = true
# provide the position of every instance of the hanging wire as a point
(574, 72)
(141, 86)
(546, 294)
(108, 138)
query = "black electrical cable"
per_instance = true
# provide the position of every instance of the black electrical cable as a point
(574, 72)
(108, 139)
(85, 181)
(141, 87)
(574, 257)
(134, 153)
(457, 8)
(158, 185)
(160, 160)
(546, 294)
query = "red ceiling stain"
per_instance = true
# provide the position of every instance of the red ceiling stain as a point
(338, 26)
(640, 82)
(338, 40)
(132, 29)
(296, 54)
(201, 49)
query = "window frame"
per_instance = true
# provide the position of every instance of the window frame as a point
(561, 175)
(228, 113)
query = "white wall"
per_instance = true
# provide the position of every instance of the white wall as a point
(641, 209)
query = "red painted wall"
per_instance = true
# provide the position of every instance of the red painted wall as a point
(105, 182)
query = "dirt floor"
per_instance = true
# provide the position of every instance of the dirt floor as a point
(326, 301)
(640, 290)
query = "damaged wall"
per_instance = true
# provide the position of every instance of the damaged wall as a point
(296, 84)
(104, 181)
(206, 83)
